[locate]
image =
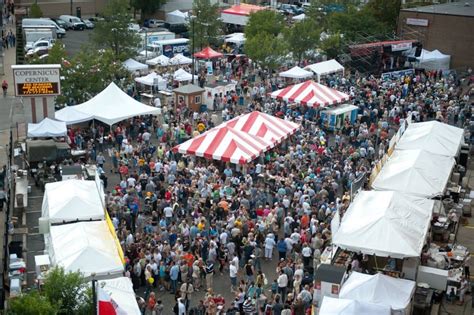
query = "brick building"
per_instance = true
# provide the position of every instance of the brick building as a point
(447, 27)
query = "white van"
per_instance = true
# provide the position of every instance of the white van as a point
(76, 22)
(60, 32)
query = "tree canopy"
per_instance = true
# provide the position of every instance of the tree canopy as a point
(264, 21)
(113, 33)
(206, 25)
(302, 37)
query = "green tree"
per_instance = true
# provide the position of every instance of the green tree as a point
(206, 25)
(69, 291)
(147, 7)
(57, 53)
(302, 37)
(264, 21)
(113, 33)
(32, 303)
(332, 46)
(35, 11)
(265, 49)
(385, 11)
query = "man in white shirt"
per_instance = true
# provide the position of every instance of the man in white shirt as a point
(146, 136)
(282, 285)
(131, 181)
(306, 252)
(233, 276)
(269, 244)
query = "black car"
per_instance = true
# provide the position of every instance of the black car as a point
(61, 24)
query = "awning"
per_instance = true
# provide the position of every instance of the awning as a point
(311, 94)
(325, 68)
(133, 65)
(180, 59)
(161, 60)
(208, 53)
(70, 115)
(225, 144)
(182, 75)
(151, 79)
(267, 127)
(296, 73)
(47, 128)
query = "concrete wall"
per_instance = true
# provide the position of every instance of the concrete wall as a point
(55, 8)
(452, 35)
(38, 108)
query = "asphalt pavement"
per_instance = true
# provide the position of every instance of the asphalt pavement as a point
(74, 40)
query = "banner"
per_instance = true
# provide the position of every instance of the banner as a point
(397, 74)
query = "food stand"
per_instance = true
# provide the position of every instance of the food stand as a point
(333, 118)
(191, 95)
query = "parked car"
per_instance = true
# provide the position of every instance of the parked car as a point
(153, 23)
(76, 22)
(134, 27)
(290, 9)
(88, 23)
(96, 19)
(49, 42)
(62, 24)
(38, 52)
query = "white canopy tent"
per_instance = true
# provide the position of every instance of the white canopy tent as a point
(161, 60)
(85, 246)
(325, 68)
(177, 17)
(385, 223)
(180, 59)
(434, 60)
(433, 137)
(182, 75)
(333, 306)
(72, 200)
(235, 38)
(111, 106)
(121, 292)
(133, 65)
(70, 115)
(296, 73)
(152, 79)
(299, 17)
(378, 289)
(415, 172)
(47, 128)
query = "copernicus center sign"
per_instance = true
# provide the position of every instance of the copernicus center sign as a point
(36, 80)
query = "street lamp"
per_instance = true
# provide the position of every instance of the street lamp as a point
(94, 292)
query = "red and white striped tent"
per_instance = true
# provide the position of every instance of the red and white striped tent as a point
(226, 144)
(311, 94)
(268, 127)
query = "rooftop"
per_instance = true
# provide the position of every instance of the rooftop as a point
(461, 8)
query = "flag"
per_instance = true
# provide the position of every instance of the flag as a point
(106, 305)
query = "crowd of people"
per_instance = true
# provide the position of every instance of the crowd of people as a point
(182, 220)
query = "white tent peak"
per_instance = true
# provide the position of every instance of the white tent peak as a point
(296, 73)
(47, 128)
(133, 65)
(325, 67)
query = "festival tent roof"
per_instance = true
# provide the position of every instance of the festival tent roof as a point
(85, 246)
(378, 289)
(333, 306)
(236, 38)
(133, 65)
(176, 17)
(161, 60)
(325, 67)
(208, 53)
(415, 172)
(296, 73)
(149, 79)
(239, 14)
(70, 115)
(72, 200)
(267, 127)
(433, 137)
(225, 144)
(180, 59)
(47, 128)
(434, 60)
(299, 17)
(385, 223)
(182, 75)
(113, 105)
(311, 94)
(121, 292)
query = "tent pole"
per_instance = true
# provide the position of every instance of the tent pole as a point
(376, 265)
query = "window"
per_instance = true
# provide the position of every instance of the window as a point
(197, 99)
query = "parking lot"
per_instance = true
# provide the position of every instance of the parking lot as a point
(75, 39)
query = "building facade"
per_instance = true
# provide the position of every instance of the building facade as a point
(55, 8)
(446, 27)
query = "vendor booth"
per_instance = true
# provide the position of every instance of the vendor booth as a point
(328, 280)
(177, 17)
(161, 60)
(191, 95)
(180, 59)
(415, 172)
(380, 289)
(220, 89)
(239, 14)
(121, 293)
(152, 80)
(332, 306)
(71, 201)
(208, 53)
(181, 75)
(132, 65)
(296, 73)
(235, 38)
(47, 128)
(324, 68)
(433, 137)
(85, 246)
(434, 60)
(334, 118)
(109, 106)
